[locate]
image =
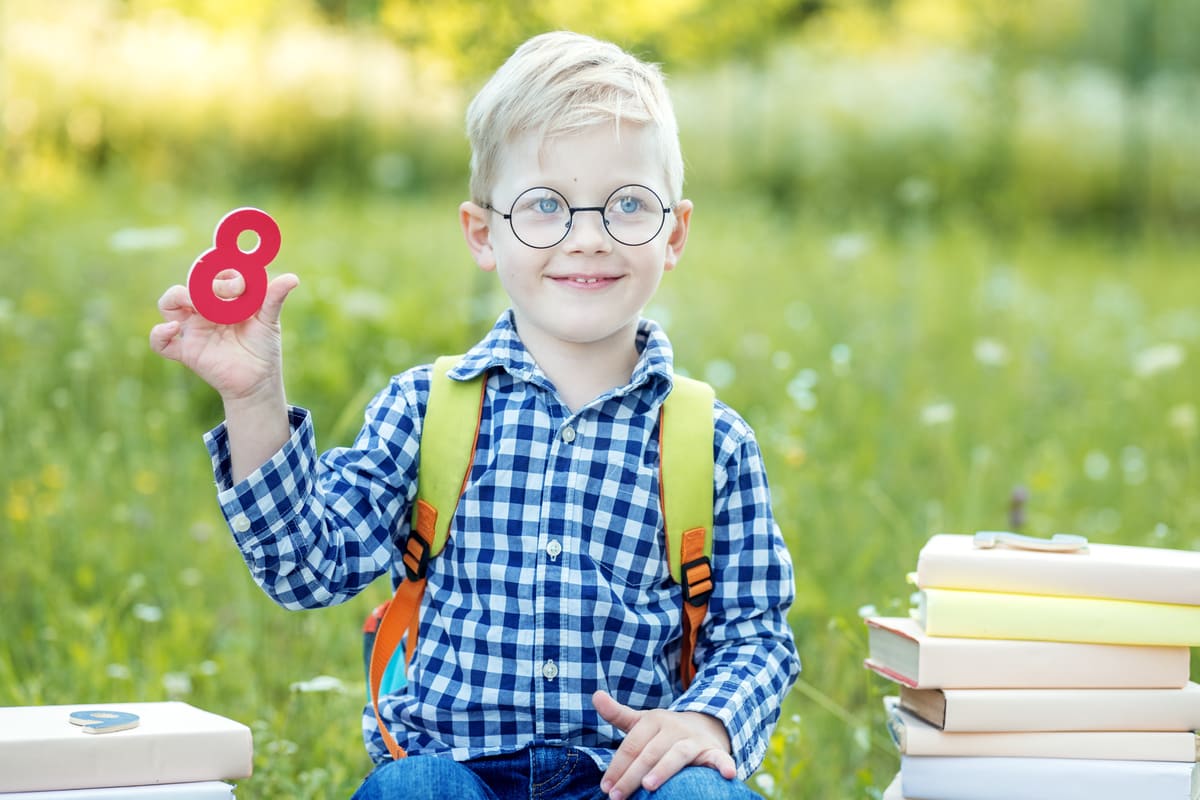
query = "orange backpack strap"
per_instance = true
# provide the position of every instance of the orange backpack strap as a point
(685, 463)
(448, 442)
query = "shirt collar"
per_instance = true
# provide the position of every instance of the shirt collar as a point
(502, 348)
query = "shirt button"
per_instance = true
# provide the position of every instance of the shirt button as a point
(553, 549)
(240, 523)
(550, 670)
(568, 434)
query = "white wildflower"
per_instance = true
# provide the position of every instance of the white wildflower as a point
(1158, 358)
(177, 684)
(941, 413)
(991, 352)
(1096, 465)
(321, 683)
(147, 613)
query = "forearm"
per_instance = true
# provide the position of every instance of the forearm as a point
(257, 427)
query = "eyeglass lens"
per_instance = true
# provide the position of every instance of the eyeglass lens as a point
(541, 217)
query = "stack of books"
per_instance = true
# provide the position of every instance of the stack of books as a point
(148, 751)
(1044, 674)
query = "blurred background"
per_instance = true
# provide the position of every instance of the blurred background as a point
(944, 254)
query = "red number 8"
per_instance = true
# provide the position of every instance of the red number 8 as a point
(226, 254)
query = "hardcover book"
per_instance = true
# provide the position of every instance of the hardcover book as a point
(900, 651)
(1002, 615)
(893, 791)
(968, 710)
(985, 778)
(42, 749)
(1119, 572)
(197, 790)
(915, 737)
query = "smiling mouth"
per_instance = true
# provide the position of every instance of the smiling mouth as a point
(579, 280)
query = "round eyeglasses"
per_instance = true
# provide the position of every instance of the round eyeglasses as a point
(541, 217)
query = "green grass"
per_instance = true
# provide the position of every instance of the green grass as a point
(903, 377)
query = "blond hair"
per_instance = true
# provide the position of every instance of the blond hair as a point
(561, 83)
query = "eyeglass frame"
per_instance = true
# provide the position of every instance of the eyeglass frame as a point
(572, 210)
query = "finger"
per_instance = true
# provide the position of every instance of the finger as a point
(229, 284)
(645, 763)
(164, 339)
(623, 772)
(614, 713)
(175, 303)
(658, 770)
(277, 291)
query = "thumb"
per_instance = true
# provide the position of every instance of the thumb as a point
(614, 713)
(277, 291)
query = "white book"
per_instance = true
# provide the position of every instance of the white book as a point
(966, 710)
(986, 778)
(916, 737)
(198, 790)
(41, 749)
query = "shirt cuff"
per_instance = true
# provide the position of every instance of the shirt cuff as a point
(722, 697)
(266, 498)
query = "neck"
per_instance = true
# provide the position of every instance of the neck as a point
(581, 372)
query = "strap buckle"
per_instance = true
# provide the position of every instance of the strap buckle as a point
(697, 581)
(416, 561)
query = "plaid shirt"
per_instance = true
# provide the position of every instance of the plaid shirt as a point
(555, 580)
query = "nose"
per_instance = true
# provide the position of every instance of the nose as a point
(588, 232)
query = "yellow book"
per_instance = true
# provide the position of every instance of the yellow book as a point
(999, 615)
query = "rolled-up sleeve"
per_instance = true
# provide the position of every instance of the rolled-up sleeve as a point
(315, 530)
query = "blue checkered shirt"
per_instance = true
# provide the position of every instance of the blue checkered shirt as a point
(555, 580)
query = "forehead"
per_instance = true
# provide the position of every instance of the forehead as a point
(594, 160)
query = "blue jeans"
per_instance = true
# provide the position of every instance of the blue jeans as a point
(535, 773)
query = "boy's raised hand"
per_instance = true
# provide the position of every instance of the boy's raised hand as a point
(239, 361)
(659, 743)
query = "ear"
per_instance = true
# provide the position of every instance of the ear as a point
(476, 227)
(679, 233)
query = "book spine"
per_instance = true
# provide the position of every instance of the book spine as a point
(1072, 710)
(1149, 575)
(986, 778)
(1117, 745)
(994, 615)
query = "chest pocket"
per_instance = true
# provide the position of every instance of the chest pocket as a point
(624, 531)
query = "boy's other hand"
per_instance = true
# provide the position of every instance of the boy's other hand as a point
(659, 743)
(240, 361)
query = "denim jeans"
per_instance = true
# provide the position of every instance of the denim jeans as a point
(535, 773)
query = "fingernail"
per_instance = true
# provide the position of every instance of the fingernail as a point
(605, 785)
(616, 796)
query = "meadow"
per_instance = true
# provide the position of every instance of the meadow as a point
(927, 281)
(903, 378)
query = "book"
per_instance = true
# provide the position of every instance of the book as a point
(1113, 571)
(967, 710)
(197, 790)
(901, 652)
(991, 778)
(1003, 615)
(915, 737)
(893, 791)
(41, 749)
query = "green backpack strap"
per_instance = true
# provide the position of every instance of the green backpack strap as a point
(685, 464)
(447, 449)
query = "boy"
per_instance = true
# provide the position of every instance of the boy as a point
(548, 658)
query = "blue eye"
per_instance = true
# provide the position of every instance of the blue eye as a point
(629, 205)
(547, 205)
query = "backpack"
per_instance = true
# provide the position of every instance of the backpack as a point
(448, 442)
